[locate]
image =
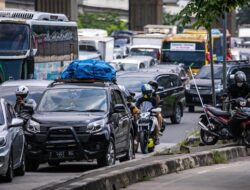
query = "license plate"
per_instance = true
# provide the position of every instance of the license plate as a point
(60, 154)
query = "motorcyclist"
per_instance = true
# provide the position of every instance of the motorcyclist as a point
(155, 85)
(147, 96)
(239, 89)
(24, 106)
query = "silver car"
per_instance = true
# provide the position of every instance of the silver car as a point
(12, 143)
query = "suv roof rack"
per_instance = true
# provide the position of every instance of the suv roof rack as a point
(81, 81)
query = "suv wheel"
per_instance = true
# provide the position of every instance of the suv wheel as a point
(176, 118)
(191, 109)
(31, 164)
(21, 170)
(109, 157)
(130, 152)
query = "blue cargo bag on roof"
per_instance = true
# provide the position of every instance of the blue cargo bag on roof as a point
(89, 69)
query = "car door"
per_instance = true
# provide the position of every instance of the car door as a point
(123, 122)
(17, 136)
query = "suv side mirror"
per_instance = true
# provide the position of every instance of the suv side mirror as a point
(160, 89)
(16, 122)
(119, 108)
(184, 79)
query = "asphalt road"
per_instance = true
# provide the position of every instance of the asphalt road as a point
(46, 174)
(230, 176)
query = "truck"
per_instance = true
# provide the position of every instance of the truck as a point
(96, 48)
(161, 29)
(244, 34)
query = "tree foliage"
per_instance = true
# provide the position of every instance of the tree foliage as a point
(244, 15)
(106, 21)
(208, 11)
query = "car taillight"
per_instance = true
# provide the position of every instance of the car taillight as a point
(158, 56)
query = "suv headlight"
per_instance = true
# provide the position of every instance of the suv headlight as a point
(33, 126)
(95, 126)
(218, 87)
(3, 139)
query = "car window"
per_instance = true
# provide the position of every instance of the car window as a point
(74, 100)
(10, 114)
(165, 82)
(117, 97)
(1, 116)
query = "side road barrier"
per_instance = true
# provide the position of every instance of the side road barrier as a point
(117, 179)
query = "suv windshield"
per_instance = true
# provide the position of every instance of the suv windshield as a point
(144, 51)
(205, 72)
(1, 116)
(133, 83)
(14, 37)
(74, 100)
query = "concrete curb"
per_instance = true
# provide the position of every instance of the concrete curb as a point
(117, 179)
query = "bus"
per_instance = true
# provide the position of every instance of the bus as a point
(35, 44)
(188, 49)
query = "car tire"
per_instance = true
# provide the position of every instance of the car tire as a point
(191, 109)
(109, 157)
(20, 171)
(31, 164)
(176, 118)
(53, 163)
(130, 154)
(10, 173)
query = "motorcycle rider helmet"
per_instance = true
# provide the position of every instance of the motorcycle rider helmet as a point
(22, 91)
(240, 77)
(146, 90)
(154, 84)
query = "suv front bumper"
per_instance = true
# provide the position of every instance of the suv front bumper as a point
(65, 144)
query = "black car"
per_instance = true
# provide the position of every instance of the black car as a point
(204, 83)
(76, 121)
(172, 90)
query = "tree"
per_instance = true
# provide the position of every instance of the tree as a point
(244, 15)
(208, 11)
(106, 21)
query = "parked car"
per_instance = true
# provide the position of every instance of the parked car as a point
(77, 121)
(36, 88)
(172, 90)
(12, 143)
(204, 84)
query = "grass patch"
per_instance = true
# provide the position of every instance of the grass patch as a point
(219, 157)
(146, 178)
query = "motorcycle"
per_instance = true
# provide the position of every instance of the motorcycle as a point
(147, 124)
(215, 124)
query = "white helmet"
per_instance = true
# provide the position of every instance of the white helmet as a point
(22, 91)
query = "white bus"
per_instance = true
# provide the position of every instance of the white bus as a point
(35, 44)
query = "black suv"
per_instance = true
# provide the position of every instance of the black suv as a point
(76, 121)
(204, 84)
(170, 85)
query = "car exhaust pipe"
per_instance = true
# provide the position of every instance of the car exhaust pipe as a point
(203, 127)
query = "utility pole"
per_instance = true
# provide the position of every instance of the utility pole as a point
(212, 66)
(224, 52)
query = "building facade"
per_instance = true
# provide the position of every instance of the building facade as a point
(20, 4)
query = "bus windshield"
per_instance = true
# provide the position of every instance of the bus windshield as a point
(196, 59)
(14, 37)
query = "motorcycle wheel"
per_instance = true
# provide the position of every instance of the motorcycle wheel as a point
(143, 143)
(246, 137)
(207, 138)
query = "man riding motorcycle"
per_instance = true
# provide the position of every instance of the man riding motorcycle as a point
(239, 89)
(154, 85)
(24, 106)
(150, 102)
